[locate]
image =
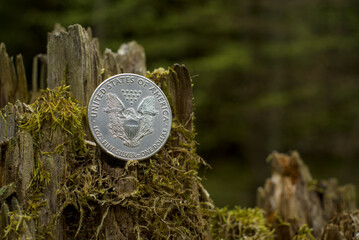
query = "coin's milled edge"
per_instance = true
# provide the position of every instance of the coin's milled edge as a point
(169, 126)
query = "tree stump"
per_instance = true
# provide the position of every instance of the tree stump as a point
(291, 198)
(58, 184)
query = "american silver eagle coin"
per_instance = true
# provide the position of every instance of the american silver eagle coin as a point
(129, 116)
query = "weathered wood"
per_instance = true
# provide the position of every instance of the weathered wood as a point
(181, 95)
(110, 63)
(16, 150)
(131, 58)
(54, 164)
(39, 73)
(4, 219)
(6, 191)
(5, 76)
(291, 195)
(178, 85)
(343, 226)
(21, 89)
(73, 59)
(16, 168)
(12, 80)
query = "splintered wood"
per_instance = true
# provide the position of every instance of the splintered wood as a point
(12, 79)
(291, 198)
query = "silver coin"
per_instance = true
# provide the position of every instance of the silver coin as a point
(129, 117)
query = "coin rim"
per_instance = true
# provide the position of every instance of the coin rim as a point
(90, 124)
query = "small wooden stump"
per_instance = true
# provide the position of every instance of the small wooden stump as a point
(291, 198)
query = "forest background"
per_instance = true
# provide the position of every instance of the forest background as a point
(268, 75)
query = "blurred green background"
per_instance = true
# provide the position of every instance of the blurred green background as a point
(269, 75)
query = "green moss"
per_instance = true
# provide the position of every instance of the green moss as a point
(304, 233)
(59, 109)
(55, 110)
(40, 179)
(157, 74)
(16, 219)
(240, 223)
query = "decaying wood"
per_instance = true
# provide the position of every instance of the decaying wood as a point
(129, 58)
(291, 195)
(5, 77)
(179, 85)
(16, 150)
(12, 80)
(73, 59)
(16, 168)
(39, 73)
(181, 99)
(342, 226)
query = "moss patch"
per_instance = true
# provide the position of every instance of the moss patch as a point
(240, 223)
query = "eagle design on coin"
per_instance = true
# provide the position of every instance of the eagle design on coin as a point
(129, 124)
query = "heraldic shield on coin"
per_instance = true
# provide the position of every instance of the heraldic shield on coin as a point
(129, 117)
